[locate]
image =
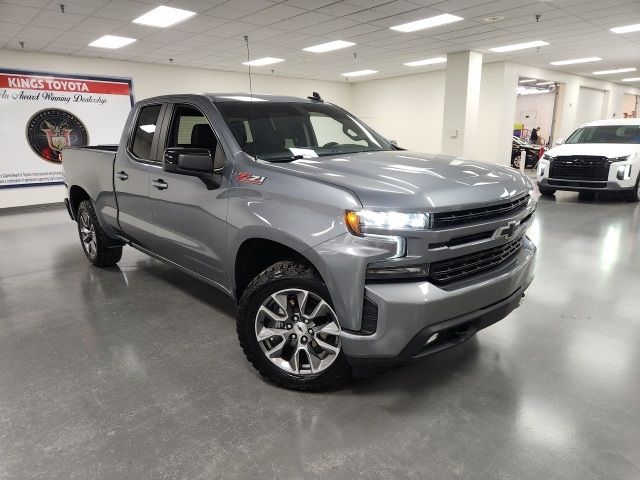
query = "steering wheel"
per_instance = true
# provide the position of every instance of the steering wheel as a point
(330, 144)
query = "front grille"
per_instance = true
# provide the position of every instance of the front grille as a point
(458, 268)
(580, 167)
(462, 217)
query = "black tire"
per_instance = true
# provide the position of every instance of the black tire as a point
(587, 196)
(633, 195)
(546, 191)
(96, 249)
(281, 276)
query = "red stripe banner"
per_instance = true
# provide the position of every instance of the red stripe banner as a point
(61, 84)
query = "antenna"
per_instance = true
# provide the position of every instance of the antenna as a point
(255, 155)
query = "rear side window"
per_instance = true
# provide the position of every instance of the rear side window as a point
(145, 128)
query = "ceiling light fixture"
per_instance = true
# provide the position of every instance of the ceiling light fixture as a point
(541, 84)
(626, 28)
(527, 80)
(111, 41)
(327, 47)
(359, 73)
(428, 61)
(519, 46)
(164, 16)
(576, 60)
(427, 23)
(617, 70)
(634, 79)
(259, 62)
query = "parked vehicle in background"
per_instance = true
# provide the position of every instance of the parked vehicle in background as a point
(344, 255)
(599, 156)
(532, 153)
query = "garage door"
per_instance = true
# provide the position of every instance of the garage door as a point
(590, 102)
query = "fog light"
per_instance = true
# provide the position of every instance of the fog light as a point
(624, 172)
(541, 169)
(393, 273)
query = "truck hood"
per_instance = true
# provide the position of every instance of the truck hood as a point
(611, 150)
(406, 180)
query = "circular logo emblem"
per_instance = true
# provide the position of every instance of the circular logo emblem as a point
(51, 130)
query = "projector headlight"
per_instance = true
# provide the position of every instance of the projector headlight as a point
(363, 220)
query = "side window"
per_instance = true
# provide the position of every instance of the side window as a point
(329, 130)
(190, 128)
(143, 134)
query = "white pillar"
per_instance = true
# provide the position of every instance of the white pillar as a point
(461, 103)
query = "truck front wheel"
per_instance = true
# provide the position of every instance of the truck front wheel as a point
(634, 195)
(289, 331)
(93, 238)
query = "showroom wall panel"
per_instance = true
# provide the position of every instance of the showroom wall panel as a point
(150, 80)
(590, 105)
(408, 109)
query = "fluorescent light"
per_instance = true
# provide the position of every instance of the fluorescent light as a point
(427, 23)
(617, 70)
(327, 47)
(544, 83)
(634, 79)
(111, 41)
(519, 46)
(164, 16)
(576, 60)
(428, 61)
(359, 73)
(529, 80)
(259, 62)
(626, 28)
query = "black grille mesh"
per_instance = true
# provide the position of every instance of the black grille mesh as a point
(458, 268)
(461, 217)
(583, 167)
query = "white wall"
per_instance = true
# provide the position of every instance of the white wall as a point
(542, 105)
(408, 109)
(150, 80)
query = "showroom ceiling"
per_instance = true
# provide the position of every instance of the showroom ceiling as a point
(214, 37)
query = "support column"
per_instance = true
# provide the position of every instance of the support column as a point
(461, 103)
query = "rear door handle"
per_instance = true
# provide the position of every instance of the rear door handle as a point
(122, 175)
(159, 184)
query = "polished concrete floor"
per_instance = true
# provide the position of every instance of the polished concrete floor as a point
(135, 373)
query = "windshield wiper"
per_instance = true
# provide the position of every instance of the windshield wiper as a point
(284, 159)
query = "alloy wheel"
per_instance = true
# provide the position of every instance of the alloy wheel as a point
(298, 331)
(88, 235)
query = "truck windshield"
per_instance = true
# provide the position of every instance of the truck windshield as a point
(281, 131)
(606, 134)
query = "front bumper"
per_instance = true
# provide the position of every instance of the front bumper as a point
(410, 313)
(586, 185)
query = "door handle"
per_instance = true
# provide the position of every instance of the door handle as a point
(122, 175)
(159, 184)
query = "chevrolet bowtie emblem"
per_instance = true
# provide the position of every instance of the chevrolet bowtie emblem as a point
(507, 232)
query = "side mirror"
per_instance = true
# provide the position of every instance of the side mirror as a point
(560, 141)
(197, 162)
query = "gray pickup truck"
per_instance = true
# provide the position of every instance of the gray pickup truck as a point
(345, 254)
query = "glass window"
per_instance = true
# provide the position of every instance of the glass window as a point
(606, 134)
(190, 128)
(284, 130)
(146, 127)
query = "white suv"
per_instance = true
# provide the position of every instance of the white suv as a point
(599, 156)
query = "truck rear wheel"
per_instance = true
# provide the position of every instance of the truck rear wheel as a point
(289, 331)
(93, 238)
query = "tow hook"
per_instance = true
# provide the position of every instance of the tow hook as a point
(521, 299)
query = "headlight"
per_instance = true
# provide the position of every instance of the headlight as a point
(620, 159)
(548, 157)
(363, 220)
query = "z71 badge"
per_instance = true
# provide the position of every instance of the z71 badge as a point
(246, 177)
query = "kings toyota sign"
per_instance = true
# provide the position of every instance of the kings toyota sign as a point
(42, 113)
